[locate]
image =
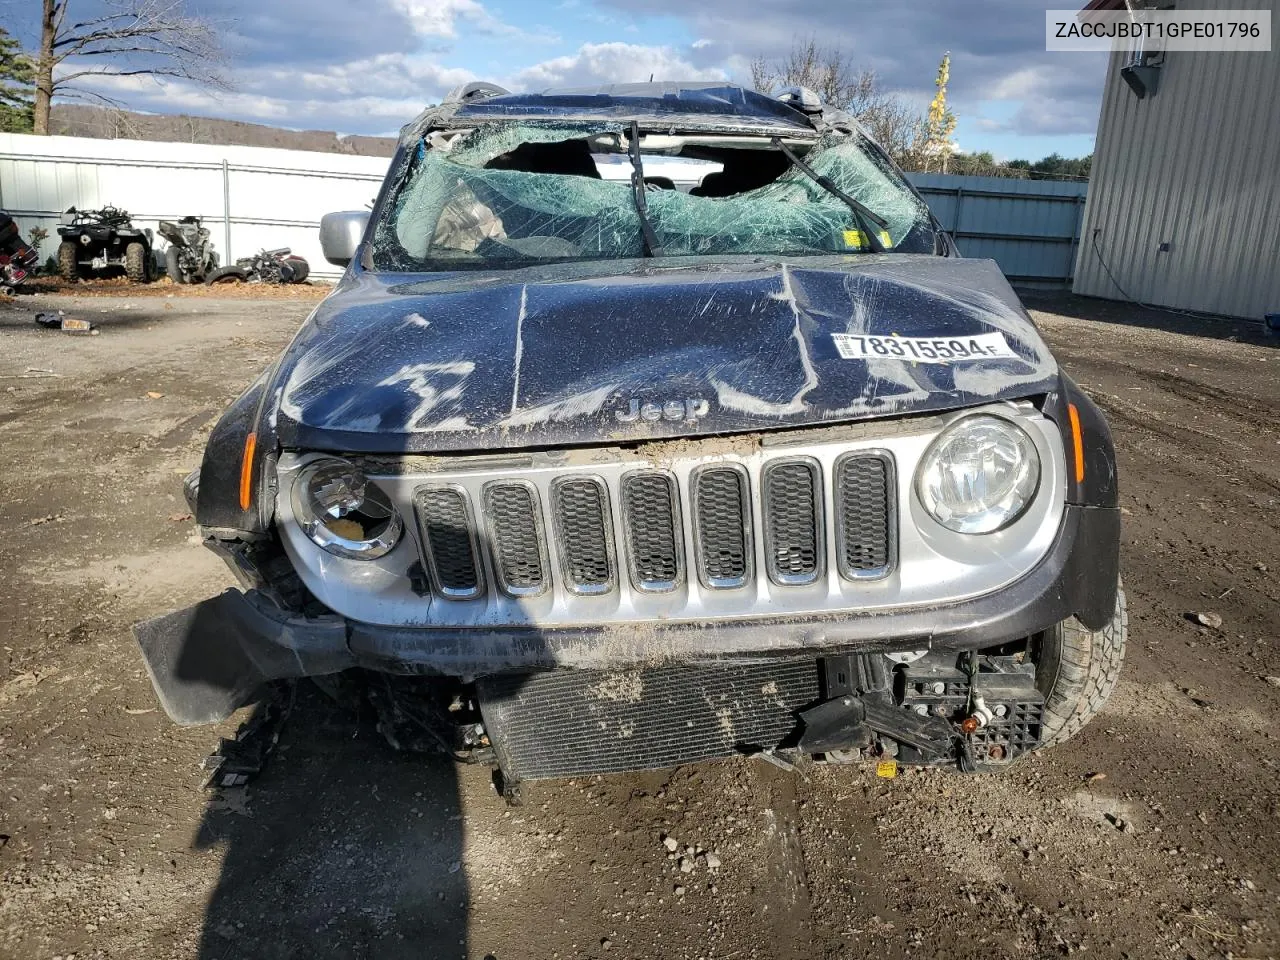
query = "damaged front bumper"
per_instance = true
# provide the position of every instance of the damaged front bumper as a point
(210, 659)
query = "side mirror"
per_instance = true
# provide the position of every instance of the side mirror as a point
(340, 235)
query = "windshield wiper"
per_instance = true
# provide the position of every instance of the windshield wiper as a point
(864, 214)
(651, 248)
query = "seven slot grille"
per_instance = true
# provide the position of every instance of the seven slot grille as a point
(519, 542)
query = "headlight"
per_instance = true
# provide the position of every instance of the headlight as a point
(979, 476)
(343, 512)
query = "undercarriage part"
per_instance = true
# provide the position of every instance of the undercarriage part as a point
(992, 699)
(567, 723)
(239, 760)
(420, 715)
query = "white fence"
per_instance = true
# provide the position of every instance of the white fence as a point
(250, 198)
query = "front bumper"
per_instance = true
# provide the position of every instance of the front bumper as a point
(210, 659)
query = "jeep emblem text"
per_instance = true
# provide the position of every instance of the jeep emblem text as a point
(691, 408)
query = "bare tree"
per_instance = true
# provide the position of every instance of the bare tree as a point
(131, 38)
(892, 121)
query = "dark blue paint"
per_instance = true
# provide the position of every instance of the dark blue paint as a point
(365, 374)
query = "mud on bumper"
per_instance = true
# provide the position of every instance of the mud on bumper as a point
(210, 659)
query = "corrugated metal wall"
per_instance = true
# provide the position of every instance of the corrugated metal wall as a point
(1029, 227)
(251, 198)
(1196, 166)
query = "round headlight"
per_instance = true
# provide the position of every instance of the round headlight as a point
(979, 476)
(343, 512)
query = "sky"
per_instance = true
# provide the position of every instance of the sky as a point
(369, 66)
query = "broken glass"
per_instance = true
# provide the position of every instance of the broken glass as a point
(460, 207)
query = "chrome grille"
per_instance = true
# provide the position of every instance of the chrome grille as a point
(792, 519)
(582, 522)
(653, 548)
(723, 523)
(864, 514)
(516, 538)
(449, 541)
(521, 544)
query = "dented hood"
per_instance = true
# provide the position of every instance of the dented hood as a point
(607, 352)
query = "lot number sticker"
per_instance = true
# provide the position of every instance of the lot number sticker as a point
(982, 346)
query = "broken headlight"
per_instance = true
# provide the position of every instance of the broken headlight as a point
(979, 476)
(343, 512)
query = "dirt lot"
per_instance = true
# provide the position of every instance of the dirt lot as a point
(110, 848)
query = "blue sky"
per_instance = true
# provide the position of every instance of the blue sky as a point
(368, 67)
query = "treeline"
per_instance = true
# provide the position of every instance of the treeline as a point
(1053, 167)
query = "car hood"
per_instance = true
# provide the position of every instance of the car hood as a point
(609, 352)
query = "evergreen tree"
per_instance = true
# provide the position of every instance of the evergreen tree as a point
(16, 80)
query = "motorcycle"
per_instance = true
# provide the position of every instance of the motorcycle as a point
(265, 266)
(17, 259)
(190, 257)
(95, 241)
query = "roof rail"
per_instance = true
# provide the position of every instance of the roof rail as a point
(476, 90)
(801, 98)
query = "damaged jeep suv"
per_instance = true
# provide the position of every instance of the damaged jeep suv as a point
(652, 424)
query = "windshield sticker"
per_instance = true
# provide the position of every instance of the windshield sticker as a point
(982, 346)
(857, 240)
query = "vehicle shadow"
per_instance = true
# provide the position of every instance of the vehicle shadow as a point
(1131, 315)
(343, 848)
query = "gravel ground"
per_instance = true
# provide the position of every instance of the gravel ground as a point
(1155, 833)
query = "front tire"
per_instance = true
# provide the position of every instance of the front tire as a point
(172, 265)
(68, 260)
(1076, 670)
(135, 263)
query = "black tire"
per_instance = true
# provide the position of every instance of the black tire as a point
(172, 267)
(227, 275)
(135, 263)
(301, 269)
(1076, 670)
(68, 254)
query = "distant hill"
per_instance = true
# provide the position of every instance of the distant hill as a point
(74, 120)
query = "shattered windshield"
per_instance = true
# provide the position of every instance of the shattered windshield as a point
(509, 194)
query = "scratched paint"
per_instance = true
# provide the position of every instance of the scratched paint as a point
(557, 355)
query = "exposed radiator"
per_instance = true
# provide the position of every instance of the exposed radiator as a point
(569, 722)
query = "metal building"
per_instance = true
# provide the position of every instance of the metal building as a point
(1184, 194)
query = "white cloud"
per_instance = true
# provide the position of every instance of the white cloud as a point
(440, 18)
(600, 63)
(376, 95)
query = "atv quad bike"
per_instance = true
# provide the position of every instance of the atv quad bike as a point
(190, 257)
(104, 241)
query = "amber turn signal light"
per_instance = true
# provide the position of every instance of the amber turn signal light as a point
(1077, 441)
(246, 471)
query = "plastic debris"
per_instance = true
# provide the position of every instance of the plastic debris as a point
(887, 769)
(60, 321)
